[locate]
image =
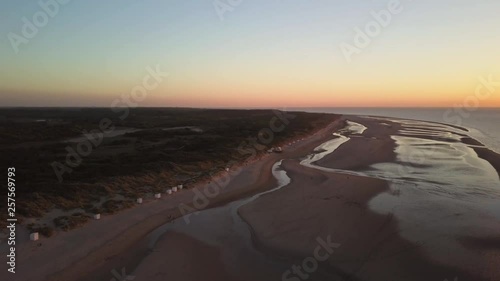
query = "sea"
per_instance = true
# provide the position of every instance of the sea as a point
(483, 124)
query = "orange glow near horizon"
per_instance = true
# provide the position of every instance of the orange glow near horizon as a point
(289, 59)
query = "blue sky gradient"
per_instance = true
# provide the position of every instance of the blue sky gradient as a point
(263, 53)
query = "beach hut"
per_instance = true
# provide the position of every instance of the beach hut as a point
(169, 191)
(158, 195)
(180, 186)
(34, 236)
(139, 200)
(174, 189)
(227, 169)
(97, 216)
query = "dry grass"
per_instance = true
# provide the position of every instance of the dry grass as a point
(70, 222)
(44, 230)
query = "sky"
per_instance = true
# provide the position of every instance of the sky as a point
(250, 53)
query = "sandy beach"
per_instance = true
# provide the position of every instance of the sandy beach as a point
(373, 245)
(410, 242)
(259, 237)
(118, 241)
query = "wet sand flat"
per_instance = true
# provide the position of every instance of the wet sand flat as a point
(382, 190)
(410, 224)
(394, 215)
(320, 204)
(403, 199)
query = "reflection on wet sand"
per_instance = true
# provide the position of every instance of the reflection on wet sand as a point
(421, 204)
